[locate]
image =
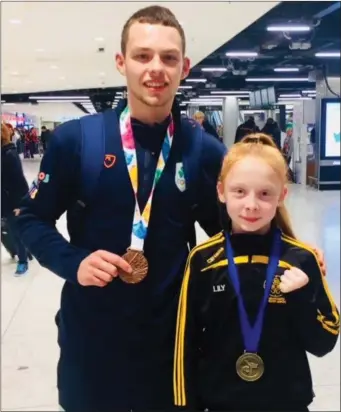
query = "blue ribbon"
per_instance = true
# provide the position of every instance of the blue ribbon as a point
(252, 334)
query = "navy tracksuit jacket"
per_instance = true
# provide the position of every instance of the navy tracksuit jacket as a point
(117, 342)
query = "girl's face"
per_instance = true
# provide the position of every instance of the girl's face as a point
(252, 191)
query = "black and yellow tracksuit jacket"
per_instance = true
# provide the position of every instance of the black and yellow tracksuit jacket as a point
(209, 339)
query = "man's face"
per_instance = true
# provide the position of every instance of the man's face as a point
(153, 64)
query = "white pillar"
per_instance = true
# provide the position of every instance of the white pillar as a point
(230, 119)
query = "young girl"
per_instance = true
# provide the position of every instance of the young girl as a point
(253, 299)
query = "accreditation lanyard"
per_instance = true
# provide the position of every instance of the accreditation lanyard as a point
(141, 218)
(252, 334)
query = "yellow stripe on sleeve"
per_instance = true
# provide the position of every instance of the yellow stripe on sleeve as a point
(327, 325)
(178, 371)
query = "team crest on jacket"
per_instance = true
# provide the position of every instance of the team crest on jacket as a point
(109, 161)
(180, 177)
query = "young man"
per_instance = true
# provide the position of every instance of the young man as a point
(118, 308)
(117, 338)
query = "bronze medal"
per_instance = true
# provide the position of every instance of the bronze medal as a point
(139, 264)
(250, 367)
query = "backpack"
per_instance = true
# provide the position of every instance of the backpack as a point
(93, 152)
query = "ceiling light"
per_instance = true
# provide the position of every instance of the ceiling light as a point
(53, 67)
(231, 92)
(205, 103)
(293, 98)
(286, 69)
(213, 69)
(59, 97)
(327, 54)
(178, 93)
(290, 95)
(277, 79)
(241, 54)
(63, 101)
(308, 91)
(40, 50)
(288, 28)
(99, 38)
(196, 80)
(14, 73)
(15, 21)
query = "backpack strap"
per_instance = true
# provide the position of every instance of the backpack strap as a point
(92, 154)
(192, 135)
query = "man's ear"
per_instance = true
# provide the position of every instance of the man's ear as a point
(220, 191)
(186, 68)
(120, 63)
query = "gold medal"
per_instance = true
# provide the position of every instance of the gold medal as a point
(139, 264)
(250, 367)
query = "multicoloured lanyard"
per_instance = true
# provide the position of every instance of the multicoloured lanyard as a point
(141, 220)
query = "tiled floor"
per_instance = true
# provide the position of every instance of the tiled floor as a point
(29, 350)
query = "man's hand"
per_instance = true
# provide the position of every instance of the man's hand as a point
(100, 268)
(293, 279)
(320, 257)
(16, 212)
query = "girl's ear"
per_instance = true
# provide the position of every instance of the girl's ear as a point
(220, 191)
(283, 194)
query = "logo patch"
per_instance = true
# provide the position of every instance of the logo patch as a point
(109, 161)
(180, 177)
(43, 177)
(276, 296)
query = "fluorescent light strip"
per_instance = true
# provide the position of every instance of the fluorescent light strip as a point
(288, 28)
(277, 79)
(241, 54)
(63, 101)
(327, 54)
(213, 69)
(286, 69)
(185, 87)
(196, 80)
(58, 97)
(290, 95)
(309, 91)
(230, 92)
(293, 98)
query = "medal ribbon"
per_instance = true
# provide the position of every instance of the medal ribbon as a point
(141, 219)
(252, 334)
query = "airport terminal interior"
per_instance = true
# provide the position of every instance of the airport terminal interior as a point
(279, 61)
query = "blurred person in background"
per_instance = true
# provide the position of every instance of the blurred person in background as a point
(205, 124)
(13, 188)
(248, 127)
(45, 137)
(271, 129)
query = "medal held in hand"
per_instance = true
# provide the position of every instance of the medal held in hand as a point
(138, 263)
(250, 366)
(134, 255)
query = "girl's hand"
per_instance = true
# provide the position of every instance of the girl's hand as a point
(293, 279)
